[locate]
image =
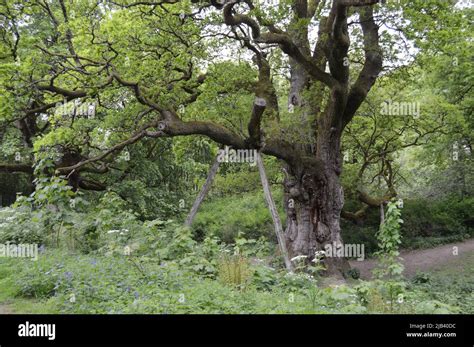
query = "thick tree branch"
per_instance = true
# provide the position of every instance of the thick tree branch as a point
(282, 39)
(372, 66)
(338, 44)
(11, 168)
(255, 121)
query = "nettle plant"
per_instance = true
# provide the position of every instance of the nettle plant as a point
(54, 206)
(389, 238)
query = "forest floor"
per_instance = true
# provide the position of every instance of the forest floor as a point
(440, 262)
(5, 309)
(421, 260)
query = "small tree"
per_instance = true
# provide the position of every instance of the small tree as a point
(389, 238)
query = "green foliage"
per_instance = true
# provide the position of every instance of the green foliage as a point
(34, 218)
(427, 223)
(123, 249)
(397, 297)
(75, 283)
(362, 234)
(264, 277)
(227, 217)
(452, 283)
(448, 217)
(234, 270)
(55, 216)
(19, 225)
(389, 238)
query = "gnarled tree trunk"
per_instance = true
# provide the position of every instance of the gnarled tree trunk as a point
(314, 201)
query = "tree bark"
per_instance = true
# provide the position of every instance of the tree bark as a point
(313, 217)
(315, 199)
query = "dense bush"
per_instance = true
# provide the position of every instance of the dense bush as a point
(21, 225)
(227, 217)
(361, 234)
(426, 224)
(438, 218)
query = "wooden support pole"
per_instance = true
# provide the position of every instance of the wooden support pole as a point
(382, 214)
(202, 194)
(274, 212)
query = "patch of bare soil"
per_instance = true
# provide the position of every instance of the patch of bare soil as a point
(420, 260)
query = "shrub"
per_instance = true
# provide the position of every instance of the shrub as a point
(225, 218)
(21, 225)
(427, 224)
(234, 270)
(264, 277)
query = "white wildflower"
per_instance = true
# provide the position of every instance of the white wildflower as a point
(299, 257)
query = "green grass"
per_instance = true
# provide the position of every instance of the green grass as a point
(451, 283)
(462, 266)
(9, 292)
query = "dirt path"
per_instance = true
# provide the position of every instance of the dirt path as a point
(420, 260)
(5, 309)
